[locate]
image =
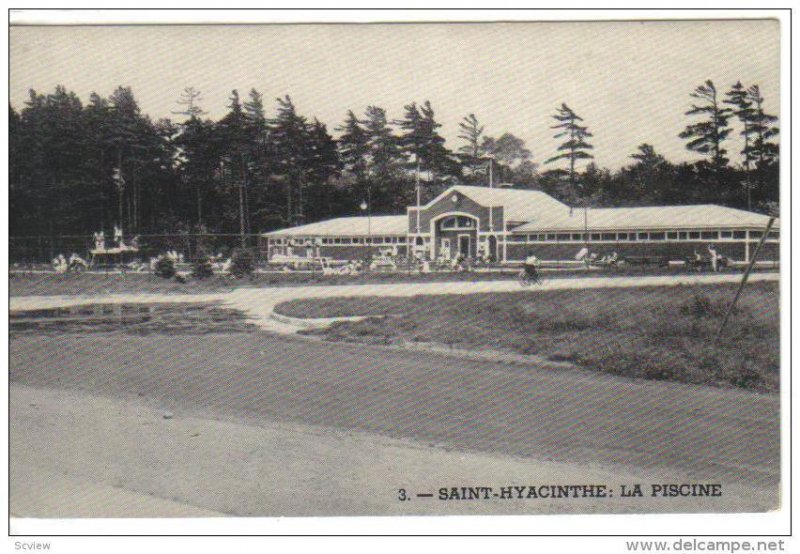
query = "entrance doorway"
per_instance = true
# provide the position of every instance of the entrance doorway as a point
(444, 250)
(464, 242)
(461, 232)
(493, 248)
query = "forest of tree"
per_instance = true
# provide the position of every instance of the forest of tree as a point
(75, 169)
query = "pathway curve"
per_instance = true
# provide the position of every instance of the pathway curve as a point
(259, 303)
(466, 422)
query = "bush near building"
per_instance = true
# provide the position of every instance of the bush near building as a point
(202, 269)
(164, 268)
(242, 263)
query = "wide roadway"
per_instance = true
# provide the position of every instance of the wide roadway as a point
(531, 411)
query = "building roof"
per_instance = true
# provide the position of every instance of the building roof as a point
(703, 216)
(518, 204)
(376, 225)
(541, 212)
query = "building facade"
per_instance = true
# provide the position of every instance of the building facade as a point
(504, 224)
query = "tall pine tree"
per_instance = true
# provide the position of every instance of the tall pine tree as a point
(436, 157)
(707, 136)
(289, 137)
(354, 146)
(765, 150)
(743, 110)
(422, 144)
(385, 162)
(575, 148)
(471, 133)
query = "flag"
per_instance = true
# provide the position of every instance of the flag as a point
(481, 170)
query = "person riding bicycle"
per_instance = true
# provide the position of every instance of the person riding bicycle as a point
(532, 266)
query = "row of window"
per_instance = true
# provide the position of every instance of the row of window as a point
(551, 237)
(458, 222)
(642, 235)
(309, 241)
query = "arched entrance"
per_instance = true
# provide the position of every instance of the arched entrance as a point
(454, 234)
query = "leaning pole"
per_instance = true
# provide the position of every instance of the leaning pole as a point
(744, 278)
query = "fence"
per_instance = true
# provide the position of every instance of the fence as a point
(35, 250)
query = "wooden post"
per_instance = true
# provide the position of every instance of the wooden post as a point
(744, 277)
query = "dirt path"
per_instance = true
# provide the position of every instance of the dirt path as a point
(80, 455)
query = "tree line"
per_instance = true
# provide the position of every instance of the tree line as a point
(75, 168)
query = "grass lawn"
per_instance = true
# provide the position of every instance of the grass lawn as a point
(651, 332)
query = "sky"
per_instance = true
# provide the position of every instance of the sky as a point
(630, 81)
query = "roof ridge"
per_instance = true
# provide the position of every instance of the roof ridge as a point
(356, 217)
(661, 206)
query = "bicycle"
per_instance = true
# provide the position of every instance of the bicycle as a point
(526, 279)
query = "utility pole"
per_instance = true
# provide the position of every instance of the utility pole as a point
(491, 185)
(748, 184)
(369, 217)
(241, 204)
(366, 205)
(744, 278)
(241, 215)
(419, 195)
(119, 180)
(586, 228)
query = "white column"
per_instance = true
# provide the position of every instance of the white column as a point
(505, 240)
(747, 246)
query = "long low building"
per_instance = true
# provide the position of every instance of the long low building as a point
(505, 224)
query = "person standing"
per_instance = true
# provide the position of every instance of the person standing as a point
(99, 241)
(712, 252)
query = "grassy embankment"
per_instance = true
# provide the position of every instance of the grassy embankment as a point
(663, 333)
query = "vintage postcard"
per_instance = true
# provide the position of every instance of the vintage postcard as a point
(436, 268)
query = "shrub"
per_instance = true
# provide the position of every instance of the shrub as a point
(703, 306)
(242, 263)
(165, 268)
(202, 268)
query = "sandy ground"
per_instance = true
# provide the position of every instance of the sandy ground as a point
(80, 455)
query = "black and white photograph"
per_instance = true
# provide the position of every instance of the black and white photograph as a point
(396, 267)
